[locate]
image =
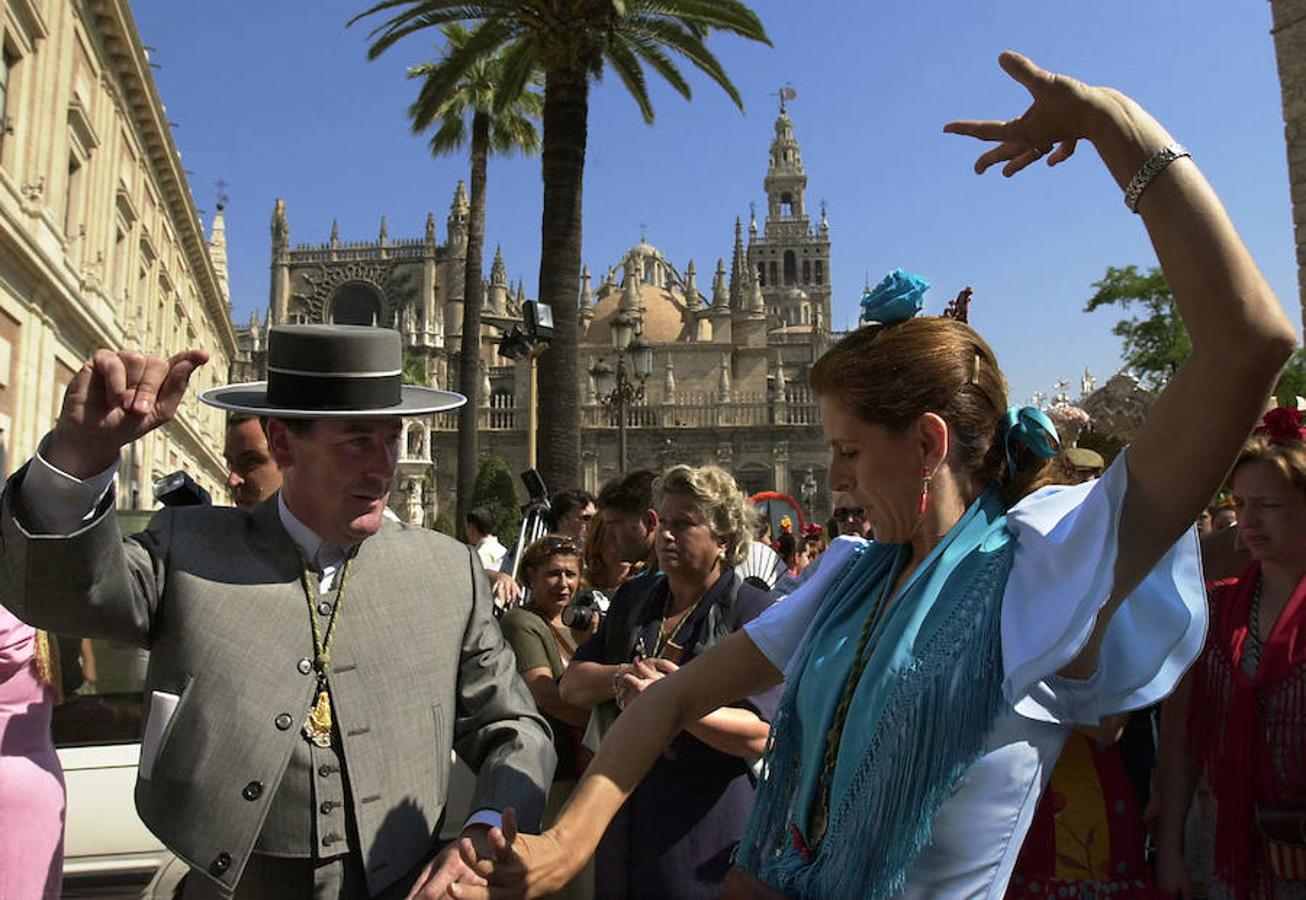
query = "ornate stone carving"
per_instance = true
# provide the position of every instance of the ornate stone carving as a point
(391, 283)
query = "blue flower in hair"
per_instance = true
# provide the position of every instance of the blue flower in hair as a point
(895, 299)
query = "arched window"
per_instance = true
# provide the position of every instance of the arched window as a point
(786, 204)
(761, 274)
(774, 277)
(356, 303)
(820, 272)
(807, 271)
(791, 268)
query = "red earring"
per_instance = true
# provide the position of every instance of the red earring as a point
(925, 492)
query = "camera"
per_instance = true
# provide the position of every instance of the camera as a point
(179, 489)
(581, 614)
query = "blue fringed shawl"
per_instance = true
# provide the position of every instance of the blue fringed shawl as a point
(920, 716)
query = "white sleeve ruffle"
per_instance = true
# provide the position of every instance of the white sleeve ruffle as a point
(1061, 576)
(778, 632)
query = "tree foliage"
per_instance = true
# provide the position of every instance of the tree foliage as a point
(1156, 343)
(496, 491)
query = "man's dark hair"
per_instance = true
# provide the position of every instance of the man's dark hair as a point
(566, 502)
(482, 519)
(235, 418)
(632, 493)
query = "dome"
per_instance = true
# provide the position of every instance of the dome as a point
(664, 315)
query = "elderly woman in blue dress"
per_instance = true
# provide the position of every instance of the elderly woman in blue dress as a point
(932, 676)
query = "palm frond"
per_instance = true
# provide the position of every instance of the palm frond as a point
(631, 73)
(683, 42)
(423, 15)
(652, 53)
(518, 67)
(449, 73)
(450, 136)
(721, 15)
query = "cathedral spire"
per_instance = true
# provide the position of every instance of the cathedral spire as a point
(720, 297)
(738, 269)
(384, 237)
(429, 236)
(586, 293)
(218, 253)
(280, 228)
(693, 300)
(335, 233)
(499, 269)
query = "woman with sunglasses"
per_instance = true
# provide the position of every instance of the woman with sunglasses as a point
(675, 837)
(933, 676)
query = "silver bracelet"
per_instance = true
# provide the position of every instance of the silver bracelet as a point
(1154, 166)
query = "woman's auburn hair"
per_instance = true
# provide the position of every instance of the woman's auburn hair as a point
(717, 496)
(892, 375)
(1288, 459)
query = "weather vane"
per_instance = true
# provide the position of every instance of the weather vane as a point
(786, 93)
(222, 184)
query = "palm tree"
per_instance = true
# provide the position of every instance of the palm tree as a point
(502, 124)
(571, 42)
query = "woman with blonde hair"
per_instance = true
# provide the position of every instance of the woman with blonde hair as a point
(933, 676)
(675, 837)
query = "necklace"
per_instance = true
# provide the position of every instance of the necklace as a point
(668, 626)
(819, 819)
(318, 725)
(1252, 646)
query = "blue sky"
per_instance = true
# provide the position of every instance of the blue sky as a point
(278, 99)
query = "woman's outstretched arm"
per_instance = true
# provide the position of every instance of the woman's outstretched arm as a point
(1240, 335)
(534, 866)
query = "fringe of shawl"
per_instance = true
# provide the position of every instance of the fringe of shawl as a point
(941, 710)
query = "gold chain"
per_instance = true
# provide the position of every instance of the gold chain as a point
(318, 724)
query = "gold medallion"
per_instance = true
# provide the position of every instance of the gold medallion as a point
(317, 726)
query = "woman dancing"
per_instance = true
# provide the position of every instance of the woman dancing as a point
(932, 677)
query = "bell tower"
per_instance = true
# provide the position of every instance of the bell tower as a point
(790, 259)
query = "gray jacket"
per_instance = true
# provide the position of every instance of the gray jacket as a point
(420, 667)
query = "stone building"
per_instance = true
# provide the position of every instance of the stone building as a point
(730, 365)
(100, 241)
(1290, 48)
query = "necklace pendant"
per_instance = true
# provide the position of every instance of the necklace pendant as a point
(317, 725)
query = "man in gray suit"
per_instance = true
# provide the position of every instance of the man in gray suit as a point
(312, 664)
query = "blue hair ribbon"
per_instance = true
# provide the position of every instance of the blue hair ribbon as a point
(897, 298)
(1031, 427)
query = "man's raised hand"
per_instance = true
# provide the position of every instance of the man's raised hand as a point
(115, 398)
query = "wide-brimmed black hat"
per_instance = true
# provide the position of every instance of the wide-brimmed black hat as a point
(325, 371)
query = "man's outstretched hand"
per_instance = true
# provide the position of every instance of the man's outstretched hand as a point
(115, 398)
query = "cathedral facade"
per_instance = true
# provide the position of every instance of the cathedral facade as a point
(728, 384)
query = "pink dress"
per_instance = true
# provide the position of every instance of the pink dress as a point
(31, 782)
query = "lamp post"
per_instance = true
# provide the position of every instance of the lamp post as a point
(615, 388)
(528, 344)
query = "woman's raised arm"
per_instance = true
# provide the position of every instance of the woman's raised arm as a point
(1240, 335)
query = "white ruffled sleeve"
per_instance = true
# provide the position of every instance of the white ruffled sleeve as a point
(778, 632)
(1061, 576)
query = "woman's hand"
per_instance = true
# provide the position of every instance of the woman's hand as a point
(517, 865)
(1064, 111)
(636, 678)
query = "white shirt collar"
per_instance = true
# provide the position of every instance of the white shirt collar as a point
(319, 553)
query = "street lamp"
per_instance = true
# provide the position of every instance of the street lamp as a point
(528, 345)
(616, 389)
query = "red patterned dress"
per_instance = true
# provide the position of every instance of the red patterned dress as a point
(1248, 728)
